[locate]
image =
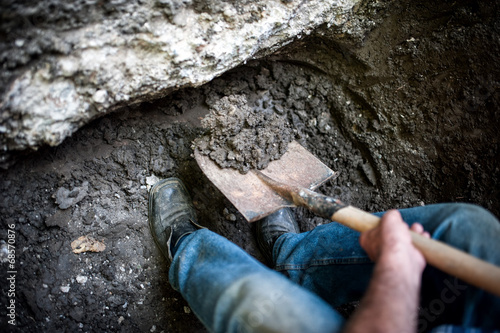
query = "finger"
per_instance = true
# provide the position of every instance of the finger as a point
(392, 220)
(364, 239)
(417, 227)
(368, 242)
(426, 234)
(392, 215)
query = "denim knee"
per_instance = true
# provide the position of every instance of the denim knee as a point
(469, 212)
(468, 227)
(462, 217)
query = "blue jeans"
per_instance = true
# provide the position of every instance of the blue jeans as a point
(315, 271)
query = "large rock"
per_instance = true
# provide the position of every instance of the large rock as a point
(65, 63)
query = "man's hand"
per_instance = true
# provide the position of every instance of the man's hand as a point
(391, 301)
(390, 245)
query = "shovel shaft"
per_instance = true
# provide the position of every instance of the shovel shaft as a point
(450, 260)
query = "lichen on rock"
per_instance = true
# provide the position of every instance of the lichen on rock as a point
(243, 138)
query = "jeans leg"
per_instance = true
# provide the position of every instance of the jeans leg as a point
(327, 260)
(330, 262)
(229, 291)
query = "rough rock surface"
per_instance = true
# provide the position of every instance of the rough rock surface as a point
(243, 137)
(67, 62)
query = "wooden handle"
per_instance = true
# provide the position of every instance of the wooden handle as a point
(450, 260)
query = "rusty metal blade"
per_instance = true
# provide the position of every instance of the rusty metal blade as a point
(251, 196)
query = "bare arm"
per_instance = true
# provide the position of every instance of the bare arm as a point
(391, 301)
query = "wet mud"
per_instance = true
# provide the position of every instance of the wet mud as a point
(243, 137)
(408, 116)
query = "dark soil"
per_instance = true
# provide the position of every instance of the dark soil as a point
(408, 115)
(241, 137)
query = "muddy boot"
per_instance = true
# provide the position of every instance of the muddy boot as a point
(171, 214)
(271, 227)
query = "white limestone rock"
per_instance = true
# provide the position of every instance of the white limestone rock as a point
(70, 74)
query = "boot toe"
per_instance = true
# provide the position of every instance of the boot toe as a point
(271, 227)
(169, 209)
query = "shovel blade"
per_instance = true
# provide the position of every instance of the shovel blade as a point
(251, 196)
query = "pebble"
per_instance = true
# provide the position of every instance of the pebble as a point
(100, 96)
(150, 181)
(229, 216)
(81, 279)
(68, 67)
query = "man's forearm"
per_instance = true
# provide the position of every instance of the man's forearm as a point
(390, 303)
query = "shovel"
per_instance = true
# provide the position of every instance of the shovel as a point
(290, 181)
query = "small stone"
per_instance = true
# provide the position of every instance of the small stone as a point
(230, 13)
(187, 309)
(81, 279)
(100, 96)
(68, 67)
(65, 289)
(87, 243)
(66, 198)
(279, 109)
(151, 180)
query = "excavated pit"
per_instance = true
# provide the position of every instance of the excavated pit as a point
(408, 116)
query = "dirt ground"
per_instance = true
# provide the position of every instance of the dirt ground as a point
(408, 115)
